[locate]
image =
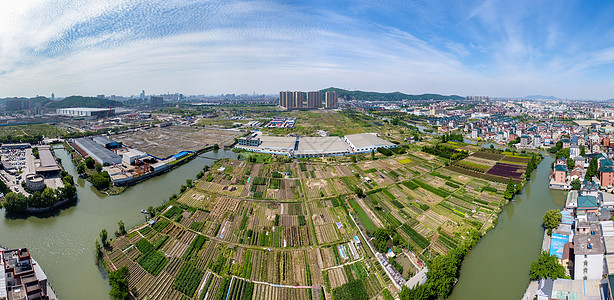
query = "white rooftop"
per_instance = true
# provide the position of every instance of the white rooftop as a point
(316, 145)
(361, 140)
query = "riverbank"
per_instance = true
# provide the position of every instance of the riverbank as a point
(498, 265)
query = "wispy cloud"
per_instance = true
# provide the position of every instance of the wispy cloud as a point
(496, 48)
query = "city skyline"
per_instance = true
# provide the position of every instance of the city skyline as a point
(213, 47)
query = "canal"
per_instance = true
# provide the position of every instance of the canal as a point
(63, 242)
(498, 266)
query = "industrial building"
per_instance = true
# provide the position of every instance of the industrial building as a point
(312, 146)
(132, 155)
(321, 146)
(366, 142)
(99, 153)
(86, 112)
(48, 164)
(105, 142)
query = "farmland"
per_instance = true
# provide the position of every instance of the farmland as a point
(279, 229)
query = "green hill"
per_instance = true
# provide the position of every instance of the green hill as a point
(80, 101)
(39, 101)
(396, 96)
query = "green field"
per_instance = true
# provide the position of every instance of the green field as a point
(362, 215)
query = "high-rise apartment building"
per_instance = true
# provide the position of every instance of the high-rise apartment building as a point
(291, 100)
(331, 99)
(156, 101)
(314, 99)
(17, 104)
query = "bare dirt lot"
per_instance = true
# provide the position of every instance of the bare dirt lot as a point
(162, 142)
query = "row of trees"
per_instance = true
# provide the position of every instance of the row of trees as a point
(511, 189)
(452, 137)
(593, 168)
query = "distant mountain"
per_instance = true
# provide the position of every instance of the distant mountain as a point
(80, 101)
(396, 96)
(540, 97)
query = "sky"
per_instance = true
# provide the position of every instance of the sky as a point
(494, 48)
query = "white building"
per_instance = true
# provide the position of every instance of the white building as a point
(366, 142)
(132, 155)
(86, 112)
(589, 251)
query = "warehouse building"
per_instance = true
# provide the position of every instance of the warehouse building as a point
(313, 146)
(86, 112)
(99, 153)
(48, 164)
(321, 146)
(366, 142)
(105, 142)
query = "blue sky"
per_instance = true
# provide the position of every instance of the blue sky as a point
(495, 48)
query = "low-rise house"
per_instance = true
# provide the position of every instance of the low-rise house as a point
(606, 172)
(587, 204)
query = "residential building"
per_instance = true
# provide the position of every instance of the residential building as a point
(156, 101)
(606, 172)
(314, 99)
(331, 99)
(589, 251)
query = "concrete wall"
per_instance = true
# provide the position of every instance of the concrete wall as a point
(594, 266)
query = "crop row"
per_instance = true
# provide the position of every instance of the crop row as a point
(188, 279)
(415, 236)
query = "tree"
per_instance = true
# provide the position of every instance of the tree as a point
(552, 219)
(122, 227)
(576, 184)
(98, 167)
(582, 150)
(592, 169)
(48, 197)
(81, 168)
(151, 211)
(98, 251)
(103, 237)
(373, 154)
(101, 180)
(119, 285)
(570, 163)
(510, 190)
(14, 202)
(216, 146)
(546, 266)
(381, 236)
(89, 162)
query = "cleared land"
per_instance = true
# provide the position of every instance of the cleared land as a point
(166, 141)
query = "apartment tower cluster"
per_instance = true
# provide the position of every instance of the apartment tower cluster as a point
(296, 100)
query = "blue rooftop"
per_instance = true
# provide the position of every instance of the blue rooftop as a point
(557, 244)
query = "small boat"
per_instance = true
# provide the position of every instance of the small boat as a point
(144, 211)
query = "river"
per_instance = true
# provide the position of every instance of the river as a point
(498, 266)
(63, 242)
